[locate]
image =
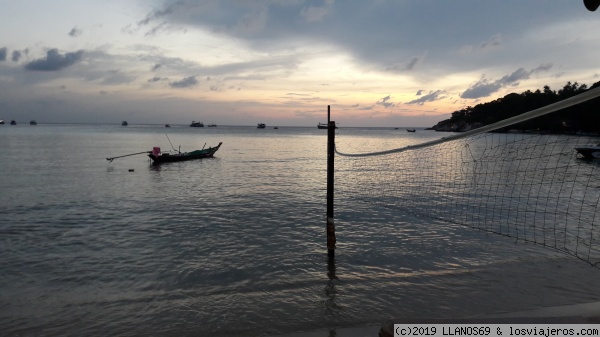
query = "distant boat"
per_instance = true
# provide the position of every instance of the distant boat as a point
(411, 130)
(197, 124)
(124, 123)
(323, 126)
(261, 125)
(167, 125)
(276, 128)
(1, 121)
(213, 125)
(33, 122)
(13, 122)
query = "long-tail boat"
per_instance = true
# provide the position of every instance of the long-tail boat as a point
(159, 157)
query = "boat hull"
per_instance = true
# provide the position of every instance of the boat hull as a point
(170, 158)
(323, 126)
(589, 152)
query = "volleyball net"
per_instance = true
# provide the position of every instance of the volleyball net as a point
(533, 187)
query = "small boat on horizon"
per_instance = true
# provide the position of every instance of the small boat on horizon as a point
(13, 122)
(261, 126)
(1, 121)
(324, 126)
(167, 125)
(197, 124)
(33, 122)
(411, 130)
(124, 123)
(213, 125)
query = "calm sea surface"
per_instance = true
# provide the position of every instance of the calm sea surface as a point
(235, 245)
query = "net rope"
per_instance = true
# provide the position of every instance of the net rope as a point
(532, 187)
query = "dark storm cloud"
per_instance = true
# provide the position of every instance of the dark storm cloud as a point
(3, 52)
(54, 61)
(484, 87)
(75, 32)
(187, 82)
(432, 96)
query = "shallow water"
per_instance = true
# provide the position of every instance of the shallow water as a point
(235, 245)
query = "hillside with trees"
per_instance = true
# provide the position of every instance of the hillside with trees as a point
(584, 117)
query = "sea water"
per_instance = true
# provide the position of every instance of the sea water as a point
(235, 245)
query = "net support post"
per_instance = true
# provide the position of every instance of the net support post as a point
(330, 178)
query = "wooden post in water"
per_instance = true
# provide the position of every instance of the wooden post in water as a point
(330, 163)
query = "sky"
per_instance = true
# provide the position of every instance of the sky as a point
(282, 62)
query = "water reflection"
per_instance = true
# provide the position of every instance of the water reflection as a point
(332, 308)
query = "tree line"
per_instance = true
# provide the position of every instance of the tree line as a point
(584, 117)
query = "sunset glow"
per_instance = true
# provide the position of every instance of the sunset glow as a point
(407, 63)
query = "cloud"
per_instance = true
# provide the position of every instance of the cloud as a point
(431, 97)
(543, 67)
(420, 92)
(484, 87)
(160, 16)
(410, 65)
(316, 14)
(481, 89)
(157, 79)
(494, 42)
(385, 102)
(187, 82)
(157, 14)
(54, 61)
(117, 77)
(75, 32)
(16, 55)
(3, 52)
